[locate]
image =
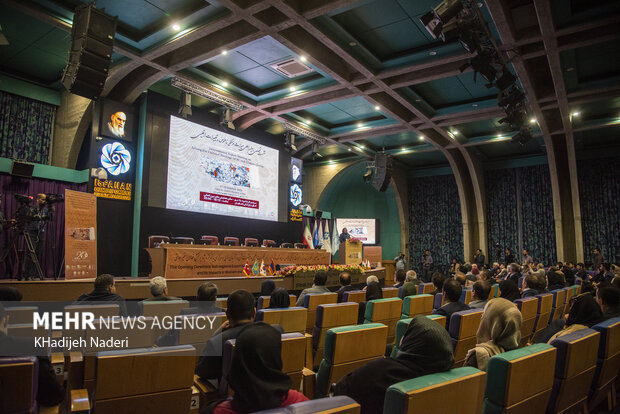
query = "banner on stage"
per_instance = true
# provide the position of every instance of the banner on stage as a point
(80, 235)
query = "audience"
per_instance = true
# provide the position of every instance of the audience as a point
(584, 313)
(509, 290)
(267, 287)
(371, 278)
(437, 280)
(345, 285)
(318, 286)
(499, 331)
(105, 291)
(412, 277)
(373, 291)
(452, 295)
(480, 294)
(279, 299)
(534, 284)
(10, 294)
(256, 375)
(513, 273)
(159, 290)
(206, 296)
(400, 278)
(555, 280)
(605, 275)
(425, 349)
(409, 289)
(461, 278)
(609, 300)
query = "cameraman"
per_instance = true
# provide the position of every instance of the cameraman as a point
(39, 215)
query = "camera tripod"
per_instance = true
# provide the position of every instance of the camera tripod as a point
(30, 251)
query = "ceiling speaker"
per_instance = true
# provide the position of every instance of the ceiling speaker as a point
(383, 171)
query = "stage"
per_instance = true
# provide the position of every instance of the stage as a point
(134, 288)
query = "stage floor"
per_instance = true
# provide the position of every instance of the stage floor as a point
(138, 288)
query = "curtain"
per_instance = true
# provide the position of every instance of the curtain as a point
(53, 247)
(435, 220)
(520, 213)
(26, 127)
(599, 187)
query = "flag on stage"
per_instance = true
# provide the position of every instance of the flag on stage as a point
(315, 235)
(246, 269)
(272, 268)
(255, 268)
(319, 245)
(335, 239)
(263, 270)
(308, 236)
(327, 242)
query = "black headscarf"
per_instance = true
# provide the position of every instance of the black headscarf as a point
(373, 291)
(556, 280)
(279, 299)
(585, 311)
(267, 287)
(8, 293)
(509, 290)
(256, 369)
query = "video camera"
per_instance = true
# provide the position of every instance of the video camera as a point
(51, 198)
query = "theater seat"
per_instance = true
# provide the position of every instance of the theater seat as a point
(466, 296)
(401, 328)
(390, 292)
(99, 311)
(21, 314)
(357, 296)
(458, 391)
(557, 304)
(543, 311)
(287, 245)
(607, 363)
(528, 307)
(574, 369)
(424, 288)
(440, 319)
(19, 380)
(213, 240)
(268, 243)
(417, 305)
(569, 295)
(300, 246)
(263, 301)
(463, 328)
(290, 319)
(312, 301)
(155, 241)
(162, 308)
(331, 315)
(520, 381)
(386, 311)
(231, 241)
(343, 352)
(250, 242)
(182, 240)
(437, 301)
(494, 291)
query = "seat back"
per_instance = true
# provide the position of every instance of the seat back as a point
(286, 245)
(330, 405)
(494, 291)
(155, 241)
(608, 360)
(300, 246)
(357, 296)
(21, 314)
(437, 301)
(424, 288)
(459, 390)
(569, 295)
(574, 369)
(18, 384)
(520, 282)
(463, 328)
(520, 380)
(168, 374)
(119, 329)
(466, 296)
(331, 315)
(290, 319)
(213, 240)
(264, 301)
(221, 303)
(386, 311)
(182, 240)
(312, 301)
(269, 243)
(543, 311)
(390, 292)
(193, 334)
(250, 242)
(163, 308)
(417, 305)
(528, 308)
(343, 354)
(99, 311)
(440, 319)
(557, 304)
(231, 241)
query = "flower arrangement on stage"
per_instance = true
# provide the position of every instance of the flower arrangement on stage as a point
(291, 270)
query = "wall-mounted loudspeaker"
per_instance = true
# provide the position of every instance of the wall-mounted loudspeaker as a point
(92, 40)
(383, 171)
(21, 169)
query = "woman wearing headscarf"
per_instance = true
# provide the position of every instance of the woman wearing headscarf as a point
(509, 290)
(555, 280)
(279, 299)
(499, 331)
(373, 291)
(584, 313)
(425, 349)
(267, 287)
(256, 374)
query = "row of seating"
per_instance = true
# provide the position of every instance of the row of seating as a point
(155, 241)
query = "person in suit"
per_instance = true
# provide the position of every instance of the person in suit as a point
(438, 280)
(205, 297)
(534, 283)
(49, 390)
(452, 293)
(427, 263)
(513, 273)
(609, 300)
(159, 290)
(479, 259)
(345, 285)
(105, 291)
(400, 275)
(480, 294)
(509, 290)
(555, 280)
(318, 286)
(598, 259)
(527, 259)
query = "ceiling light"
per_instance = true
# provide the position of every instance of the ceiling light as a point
(532, 120)
(455, 131)
(224, 52)
(176, 27)
(422, 138)
(224, 84)
(359, 124)
(308, 121)
(362, 147)
(207, 93)
(292, 88)
(352, 44)
(350, 149)
(403, 149)
(433, 53)
(474, 105)
(377, 108)
(576, 113)
(303, 58)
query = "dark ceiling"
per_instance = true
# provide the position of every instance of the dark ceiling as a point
(379, 80)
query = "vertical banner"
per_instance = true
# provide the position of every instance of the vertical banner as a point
(80, 235)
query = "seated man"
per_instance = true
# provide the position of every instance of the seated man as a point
(480, 294)
(159, 290)
(412, 277)
(452, 293)
(240, 312)
(438, 280)
(534, 284)
(105, 291)
(400, 278)
(461, 278)
(609, 300)
(320, 279)
(49, 390)
(345, 285)
(206, 296)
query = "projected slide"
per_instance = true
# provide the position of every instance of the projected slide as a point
(210, 171)
(362, 229)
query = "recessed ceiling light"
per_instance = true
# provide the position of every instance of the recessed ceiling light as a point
(362, 147)
(422, 138)
(377, 107)
(308, 121)
(292, 88)
(303, 58)
(176, 27)
(352, 44)
(359, 124)
(570, 69)
(474, 105)
(576, 113)
(532, 120)
(418, 100)
(349, 149)
(403, 149)
(433, 53)
(224, 52)
(224, 84)
(455, 131)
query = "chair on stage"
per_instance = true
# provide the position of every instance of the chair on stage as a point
(182, 240)
(268, 243)
(300, 246)
(155, 241)
(250, 242)
(287, 245)
(231, 241)
(212, 240)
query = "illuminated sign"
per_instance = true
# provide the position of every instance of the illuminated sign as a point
(296, 215)
(112, 189)
(115, 158)
(295, 195)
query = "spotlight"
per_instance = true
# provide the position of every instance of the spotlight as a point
(511, 98)
(367, 177)
(506, 80)
(482, 64)
(522, 137)
(226, 118)
(435, 19)
(315, 150)
(185, 104)
(289, 141)
(176, 27)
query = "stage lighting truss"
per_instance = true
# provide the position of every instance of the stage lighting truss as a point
(198, 90)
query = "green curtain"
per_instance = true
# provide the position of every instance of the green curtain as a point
(26, 127)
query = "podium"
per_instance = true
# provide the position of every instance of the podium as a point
(351, 252)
